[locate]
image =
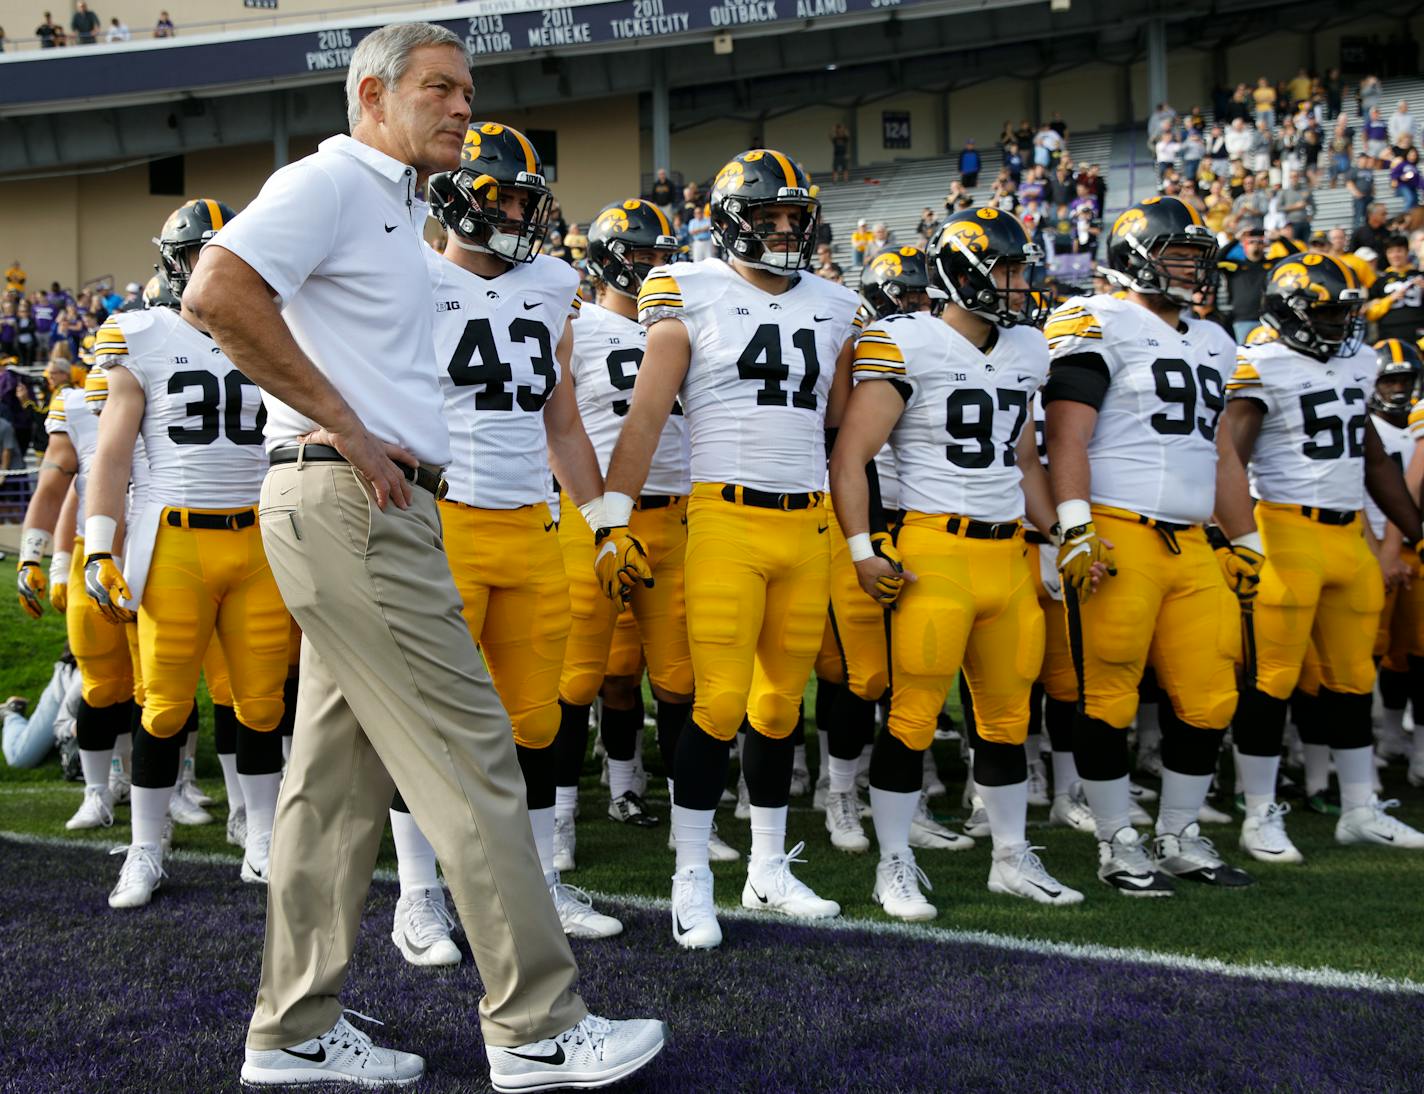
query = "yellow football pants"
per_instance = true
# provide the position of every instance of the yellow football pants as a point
(853, 642)
(136, 660)
(205, 584)
(215, 673)
(757, 587)
(1172, 611)
(973, 606)
(1058, 677)
(1320, 581)
(591, 614)
(100, 648)
(509, 572)
(655, 628)
(1401, 626)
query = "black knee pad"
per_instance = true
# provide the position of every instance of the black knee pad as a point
(1187, 749)
(1305, 715)
(700, 771)
(537, 764)
(571, 743)
(224, 730)
(95, 728)
(1099, 749)
(672, 719)
(998, 764)
(1394, 689)
(766, 765)
(156, 760)
(895, 766)
(1259, 725)
(619, 730)
(1346, 719)
(258, 753)
(1058, 718)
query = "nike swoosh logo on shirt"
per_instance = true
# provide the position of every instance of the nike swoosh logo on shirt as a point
(530, 307)
(823, 318)
(554, 1059)
(390, 228)
(317, 1057)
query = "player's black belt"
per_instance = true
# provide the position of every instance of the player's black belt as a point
(980, 529)
(1033, 535)
(656, 501)
(1336, 517)
(427, 478)
(765, 499)
(220, 522)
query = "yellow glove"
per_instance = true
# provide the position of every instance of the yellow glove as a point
(884, 588)
(106, 587)
(1080, 551)
(621, 562)
(30, 583)
(59, 580)
(1241, 566)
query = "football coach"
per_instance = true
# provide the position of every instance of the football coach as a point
(319, 293)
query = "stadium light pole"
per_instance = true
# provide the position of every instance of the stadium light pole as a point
(1156, 63)
(662, 114)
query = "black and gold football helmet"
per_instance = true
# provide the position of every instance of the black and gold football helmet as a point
(157, 294)
(964, 255)
(742, 192)
(184, 232)
(1313, 302)
(495, 161)
(897, 281)
(1142, 233)
(620, 235)
(1398, 371)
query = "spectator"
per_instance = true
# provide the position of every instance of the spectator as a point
(662, 192)
(1372, 232)
(1168, 148)
(43, 309)
(1371, 92)
(1361, 183)
(682, 235)
(7, 328)
(1263, 149)
(27, 741)
(84, 23)
(164, 27)
(951, 199)
(1062, 187)
(840, 153)
(1297, 207)
(1193, 152)
(1334, 88)
(1248, 212)
(1289, 152)
(1396, 303)
(1035, 187)
(1023, 135)
(1005, 196)
(1309, 150)
(1401, 122)
(1243, 274)
(133, 294)
(1404, 179)
(1059, 126)
(691, 201)
(1376, 134)
(1264, 100)
(1006, 135)
(928, 226)
(699, 234)
(1239, 140)
(1084, 213)
(826, 265)
(576, 240)
(69, 329)
(860, 242)
(1196, 119)
(1052, 141)
(117, 31)
(881, 240)
(1218, 207)
(15, 277)
(25, 333)
(1342, 141)
(1300, 87)
(1013, 163)
(1162, 117)
(969, 164)
(47, 31)
(1216, 152)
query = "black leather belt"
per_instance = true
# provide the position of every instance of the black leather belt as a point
(979, 529)
(765, 499)
(1338, 517)
(220, 522)
(656, 501)
(427, 478)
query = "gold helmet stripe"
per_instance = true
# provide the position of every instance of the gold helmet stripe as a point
(531, 164)
(662, 217)
(214, 213)
(785, 164)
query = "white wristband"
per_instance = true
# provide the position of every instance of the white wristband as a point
(59, 568)
(1251, 541)
(99, 533)
(617, 509)
(34, 544)
(1073, 513)
(860, 548)
(593, 512)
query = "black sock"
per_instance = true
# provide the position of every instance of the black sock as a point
(537, 764)
(1058, 716)
(224, 730)
(571, 743)
(289, 706)
(95, 728)
(767, 764)
(1394, 689)
(1099, 749)
(156, 760)
(672, 718)
(619, 730)
(1346, 719)
(852, 725)
(998, 764)
(258, 753)
(1035, 709)
(1259, 725)
(700, 770)
(895, 766)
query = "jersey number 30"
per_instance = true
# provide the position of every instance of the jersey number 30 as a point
(218, 409)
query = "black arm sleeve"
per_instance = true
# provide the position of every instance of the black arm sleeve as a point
(1078, 378)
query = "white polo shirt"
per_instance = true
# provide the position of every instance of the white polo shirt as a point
(337, 236)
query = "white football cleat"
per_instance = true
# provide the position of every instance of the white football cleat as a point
(977, 826)
(1141, 794)
(694, 916)
(800, 773)
(1038, 784)
(1371, 824)
(1018, 871)
(120, 782)
(897, 889)
(189, 788)
(1071, 810)
(565, 843)
(256, 858)
(1125, 865)
(237, 826)
(1416, 764)
(823, 787)
(1209, 814)
(422, 926)
(843, 823)
(343, 1054)
(576, 914)
(596, 1052)
(932, 784)
(772, 887)
(95, 811)
(141, 874)
(744, 801)
(185, 812)
(1263, 834)
(1189, 854)
(928, 834)
(1136, 815)
(718, 850)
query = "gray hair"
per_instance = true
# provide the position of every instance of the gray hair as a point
(385, 54)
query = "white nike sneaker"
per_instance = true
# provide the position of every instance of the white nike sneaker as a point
(1018, 871)
(800, 773)
(256, 858)
(237, 826)
(1138, 816)
(95, 811)
(596, 1052)
(188, 785)
(718, 850)
(1263, 834)
(977, 826)
(1209, 814)
(343, 1054)
(141, 874)
(1125, 865)
(1038, 784)
(1189, 854)
(1371, 824)
(120, 782)
(422, 926)
(576, 914)
(772, 887)
(694, 916)
(932, 784)
(744, 801)
(928, 834)
(1071, 810)
(565, 843)
(897, 888)
(1141, 794)
(823, 788)
(185, 812)
(843, 823)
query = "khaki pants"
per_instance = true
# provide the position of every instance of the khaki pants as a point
(393, 694)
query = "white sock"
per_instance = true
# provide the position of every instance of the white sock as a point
(1007, 807)
(542, 821)
(620, 777)
(691, 830)
(1065, 772)
(1355, 768)
(892, 813)
(148, 809)
(123, 749)
(286, 748)
(415, 858)
(259, 793)
(95, 764)
(190, 750)
(1182, 798)
(669, 782)
(823, 754)
(768, 832)
(843, 775)
(228, 762)
(1391, 726)
(1317, 768)
(1256, 776)
(1149, 729)
(1110, 802)
(566, 800)
(1033, 747)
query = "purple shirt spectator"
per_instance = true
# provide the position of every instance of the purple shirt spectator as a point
(1078, 205)
(44, 317)
(1375, 130)
(1032, 190)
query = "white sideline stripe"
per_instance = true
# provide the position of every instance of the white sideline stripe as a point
(1080, 951)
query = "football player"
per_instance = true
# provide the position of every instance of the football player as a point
(760, 352)
(194, 563)
(502, 341)
(952, 395)
(1298, 415)
(1132, 400)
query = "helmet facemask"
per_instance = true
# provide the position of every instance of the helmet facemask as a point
(176, 262)
(1153, 272)
(624, 267)
(1319, 328)
(779, 252)
(979, 291)
(471, 207)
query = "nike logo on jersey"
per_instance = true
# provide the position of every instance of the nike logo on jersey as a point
(530, 307)
(1021, 379)
(550, 524)
(554, 1059)
(823, 318)
(390, 228)
(317, 1057)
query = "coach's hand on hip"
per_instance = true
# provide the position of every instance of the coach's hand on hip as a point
(374, 458)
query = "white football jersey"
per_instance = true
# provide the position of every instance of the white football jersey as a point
(1311, 450)
(955, 442)
(607, 352)
(1399, 444)
(1153, 449)
(494, 346)
(756, 389)
(203, 419)
(71, 415)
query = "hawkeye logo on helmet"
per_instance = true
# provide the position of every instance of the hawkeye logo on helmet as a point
(730, 177)
(968, 234)
(615, 220)
(890, 263)
(1130, 223)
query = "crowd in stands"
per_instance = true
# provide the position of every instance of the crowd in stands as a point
(86, 28)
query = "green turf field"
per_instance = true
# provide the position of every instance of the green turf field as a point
(1352, 909)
